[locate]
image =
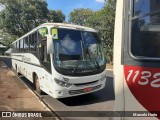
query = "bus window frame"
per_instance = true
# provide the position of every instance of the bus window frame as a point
(32, 41)
(21, 47)
(18, 46)
(15, 47)
(27, 48)
(130, 19)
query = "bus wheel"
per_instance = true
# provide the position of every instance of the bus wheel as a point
(37, 85)
(16, 68)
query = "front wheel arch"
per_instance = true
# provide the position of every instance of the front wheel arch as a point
(36, 83)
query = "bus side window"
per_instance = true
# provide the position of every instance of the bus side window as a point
(42, 49)
(21, 45)
(32, 42)
(46, 57)
(18, 46)
(42, 42)
(26, 44)
(145, 29)
(41, 33)
(35, 41)
(14, 47)
(44, 53)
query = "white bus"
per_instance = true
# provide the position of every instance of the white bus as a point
(61, 60)
(137, 59)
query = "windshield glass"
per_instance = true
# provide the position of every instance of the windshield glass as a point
(145, 29)
(74, 48)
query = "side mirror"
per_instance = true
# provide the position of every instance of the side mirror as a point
(49, 44)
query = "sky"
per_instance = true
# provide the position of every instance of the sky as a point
(1, 7)
(66, 6)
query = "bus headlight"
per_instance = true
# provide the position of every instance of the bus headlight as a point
(103, 77)
(61, 83)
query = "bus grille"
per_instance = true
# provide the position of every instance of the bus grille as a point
(86, 84)
(80, 91)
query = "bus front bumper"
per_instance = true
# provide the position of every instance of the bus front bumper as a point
(75, 91)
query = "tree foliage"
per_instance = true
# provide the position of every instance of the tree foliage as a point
(102, 21)
(56, 16)
(6, 39)
(21, 16)
(79, 16)
(107, 18)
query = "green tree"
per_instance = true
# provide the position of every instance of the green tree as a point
(56, 16)
(109, 20)
(6, 39)
(20, 16)
(79, 16)
(103, 22)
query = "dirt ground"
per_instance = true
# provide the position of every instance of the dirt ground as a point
(109, 66)
(16, 96)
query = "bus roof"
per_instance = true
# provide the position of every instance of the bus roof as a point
(58, 25)
(64, 25)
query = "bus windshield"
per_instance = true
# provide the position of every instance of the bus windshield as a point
(145, 32)
(77, 49)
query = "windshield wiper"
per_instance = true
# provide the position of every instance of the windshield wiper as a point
(88, 52)
(77, 65)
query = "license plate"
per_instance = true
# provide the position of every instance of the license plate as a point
(88, 89)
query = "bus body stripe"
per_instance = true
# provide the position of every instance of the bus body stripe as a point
(144, 84)
(27, 62)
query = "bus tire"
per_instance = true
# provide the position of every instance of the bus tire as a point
(37, 85)
(16, 68)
